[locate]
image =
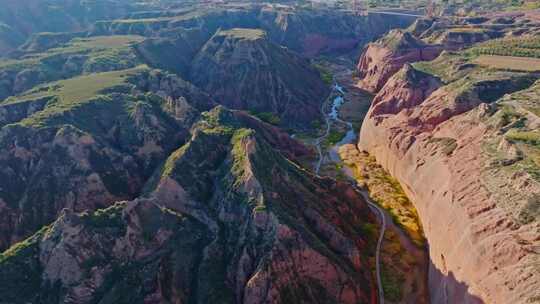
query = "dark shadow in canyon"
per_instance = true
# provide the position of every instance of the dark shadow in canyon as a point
(446, 289)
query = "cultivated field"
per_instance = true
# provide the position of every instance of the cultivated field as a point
(509, 62)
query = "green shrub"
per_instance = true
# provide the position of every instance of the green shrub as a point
(268, 117)
(528, 46)
(316, 124)
(335, 136)
(530, 137)
(392, 285)
(530, 211)
(326, 75)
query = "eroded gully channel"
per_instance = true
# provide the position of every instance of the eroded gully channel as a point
(330, 111)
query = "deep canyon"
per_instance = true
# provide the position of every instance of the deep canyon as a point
(284, 152)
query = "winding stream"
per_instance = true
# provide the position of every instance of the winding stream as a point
(350, 137)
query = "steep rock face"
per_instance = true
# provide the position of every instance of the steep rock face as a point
(308, 32)
(455, 39)
(174, 54)
(435, 140)
(240, 229)
(243, 70)
(57, 155)
(424, 40)
(387, 55)
(313, 32)
(455, 34)
(407, 89)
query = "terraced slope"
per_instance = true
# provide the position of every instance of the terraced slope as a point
(428, 37)
(75, 57)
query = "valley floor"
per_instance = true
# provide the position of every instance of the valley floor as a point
(404, 255)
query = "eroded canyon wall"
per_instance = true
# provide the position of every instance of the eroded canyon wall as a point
(447, 132)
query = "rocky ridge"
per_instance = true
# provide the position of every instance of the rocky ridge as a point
(426, 38)
(20, 20)
(244, 70)
(117, 185)
(230, 233)
(54, 142)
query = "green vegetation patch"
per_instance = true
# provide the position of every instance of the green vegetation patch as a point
(78, 57)
(240, 167)
(530, 137)
(447, 145)
(387, 192)
(392, 284)
(23, 247)
(510, 63)
(448, 66)
(325, 73)
(267, 117)
(87, 46)
(74, 92)
(244, 33)
(107, 41)
(110, 217)
(335, 136)
(530, 211)
(525, 46)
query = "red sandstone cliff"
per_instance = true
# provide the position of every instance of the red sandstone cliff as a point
(387, 55)
(447, 147)
(426, 39)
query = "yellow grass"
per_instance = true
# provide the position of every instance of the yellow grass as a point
(84, 87)
(467, 30)
(74, 92)
(107, 41)
(250, 34)
(385, 190)
(509, 62)
(144, 20)
(78, 45)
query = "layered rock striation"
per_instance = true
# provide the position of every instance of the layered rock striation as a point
(426, 38)
(244, 70)
(449, 137)
(57, 154)
(381, 59)
(228, 217)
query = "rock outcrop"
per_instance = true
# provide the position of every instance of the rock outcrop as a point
(425, 39)
(57, 155)
(244, 70)
(443, 142)
(313, 32)
(381, 59)
(247, 225)
(305, 31)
